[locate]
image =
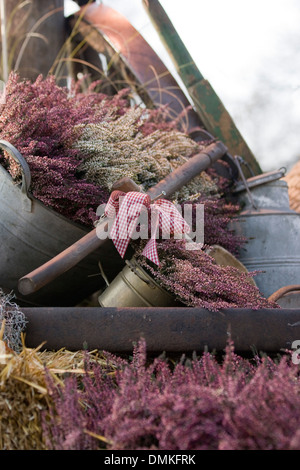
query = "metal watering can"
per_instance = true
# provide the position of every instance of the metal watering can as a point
(272, 230)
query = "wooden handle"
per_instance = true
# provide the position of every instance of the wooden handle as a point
(68, 258)
(126, 185)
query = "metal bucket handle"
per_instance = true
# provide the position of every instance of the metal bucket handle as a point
(282, 291)
(238, 159)
(15, 154)
(26, 175)
(134, 269)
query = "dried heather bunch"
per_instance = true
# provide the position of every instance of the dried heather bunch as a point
(194, 278)
(40, 120)
(117, 147)
(77, 144)
(271, 419)
(199, 404)
(218, 213)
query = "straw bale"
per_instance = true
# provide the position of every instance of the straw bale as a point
(24, 394)
(293, 180)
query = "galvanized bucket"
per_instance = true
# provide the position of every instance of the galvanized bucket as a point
(272, 230)
(31, 234)
(134, 287)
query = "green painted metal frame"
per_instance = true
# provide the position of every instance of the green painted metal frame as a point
(210, 108)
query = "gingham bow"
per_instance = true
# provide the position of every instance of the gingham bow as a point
(164, 216)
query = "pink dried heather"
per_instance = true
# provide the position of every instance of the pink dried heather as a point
(40, 120)
(43, 121)
(194, 278)
(199, 404)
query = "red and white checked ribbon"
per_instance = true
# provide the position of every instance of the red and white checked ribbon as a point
(127, 208)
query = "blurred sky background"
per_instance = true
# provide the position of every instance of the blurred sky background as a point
(249, 51)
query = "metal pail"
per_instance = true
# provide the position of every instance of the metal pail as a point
(272, 230)
(133, 287)
(31, 234)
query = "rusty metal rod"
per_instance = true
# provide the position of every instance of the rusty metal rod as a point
(67, 259)
(180, 329)
(186, 172)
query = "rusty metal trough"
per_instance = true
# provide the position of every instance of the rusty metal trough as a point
(171, 330)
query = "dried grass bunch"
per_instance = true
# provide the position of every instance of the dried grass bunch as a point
(12, 320)
(117, 147)
(23, 395)
(293, 180)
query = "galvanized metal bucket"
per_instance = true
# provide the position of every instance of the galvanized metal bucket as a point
(31, 234)
(272, 230)
(134, 287)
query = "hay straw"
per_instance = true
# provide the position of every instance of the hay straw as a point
(12, 320)
(293, 181)
(24, 394)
